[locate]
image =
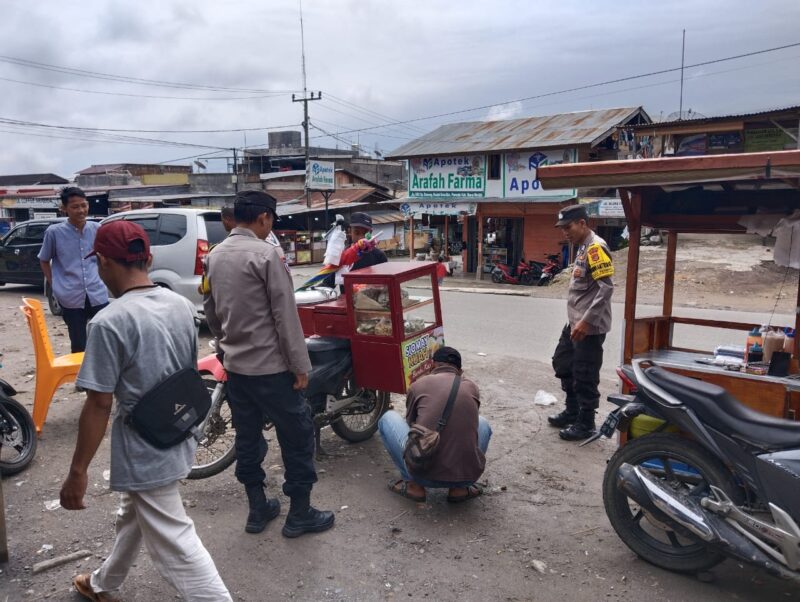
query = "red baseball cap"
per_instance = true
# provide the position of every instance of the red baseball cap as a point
(113, 240)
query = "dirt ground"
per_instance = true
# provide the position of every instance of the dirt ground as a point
(727, 272)
(542, 504)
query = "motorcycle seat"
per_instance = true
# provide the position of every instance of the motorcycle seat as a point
(723, 412)
(323, 344)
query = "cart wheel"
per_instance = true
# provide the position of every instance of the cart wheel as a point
(357, 427)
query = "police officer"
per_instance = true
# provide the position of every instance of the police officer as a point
(251, 310)
(579, 354)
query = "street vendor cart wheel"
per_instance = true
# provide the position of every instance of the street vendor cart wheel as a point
(682, 465)
(359, 421)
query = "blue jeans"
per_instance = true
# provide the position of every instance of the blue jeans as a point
(394, 432)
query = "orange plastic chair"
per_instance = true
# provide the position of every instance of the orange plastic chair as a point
(51, 371)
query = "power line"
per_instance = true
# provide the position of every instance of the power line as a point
(101, 136)
(132, 95)
(127, 79)
(367, 111)
(578, 88)
(140, 131)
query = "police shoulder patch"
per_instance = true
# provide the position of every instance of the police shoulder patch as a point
(600, 265)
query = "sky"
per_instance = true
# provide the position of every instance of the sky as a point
(375, 62)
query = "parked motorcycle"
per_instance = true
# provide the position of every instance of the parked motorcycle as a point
(550, 269)
(525, 273)
(725, 483)
(17, 433)
(352, 412)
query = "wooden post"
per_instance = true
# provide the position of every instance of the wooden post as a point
(445, 246)
(796, 351)
(634, 229)
(3, 535)
(411, 237)
(669, 275)
(479, 267)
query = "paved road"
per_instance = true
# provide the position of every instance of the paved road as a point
(529, 327)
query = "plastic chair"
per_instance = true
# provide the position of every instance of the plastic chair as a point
(51, 371)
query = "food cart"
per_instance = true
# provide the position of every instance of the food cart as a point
(392, 316)
(709, 195)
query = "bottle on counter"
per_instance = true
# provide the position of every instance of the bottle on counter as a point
(754, 338)
(755, 353)
(773, 341)
(788, 340)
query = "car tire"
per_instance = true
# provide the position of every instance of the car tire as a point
(52, 302)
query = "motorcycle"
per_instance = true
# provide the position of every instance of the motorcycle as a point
(551, 268)
(17, 433)
(725, 483)
(525, 273)
(352, 412)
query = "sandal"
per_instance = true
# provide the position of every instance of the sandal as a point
(83, 585)
(473, 491)
(402, 491)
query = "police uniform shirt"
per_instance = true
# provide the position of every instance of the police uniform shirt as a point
(591, 287)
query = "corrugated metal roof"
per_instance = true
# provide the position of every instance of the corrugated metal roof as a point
(551, 131)
(716, 118)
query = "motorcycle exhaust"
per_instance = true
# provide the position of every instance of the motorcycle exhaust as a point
(688, 517)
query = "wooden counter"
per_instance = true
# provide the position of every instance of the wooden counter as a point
(771, 395)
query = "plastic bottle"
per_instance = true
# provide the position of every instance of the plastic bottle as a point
(773, 341)
(754, 338)
(788, 341)
(755, 353)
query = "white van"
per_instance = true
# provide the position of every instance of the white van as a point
(179, 240)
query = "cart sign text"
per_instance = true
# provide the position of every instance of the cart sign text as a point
(417, 354)
(459, 176)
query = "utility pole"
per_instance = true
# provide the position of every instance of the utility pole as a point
(683, 61)
(305, 100)
(235, 172)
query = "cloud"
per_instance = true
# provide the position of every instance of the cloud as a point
(374, 61)
(506, 111)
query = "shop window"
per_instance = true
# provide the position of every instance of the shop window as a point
(494, 167)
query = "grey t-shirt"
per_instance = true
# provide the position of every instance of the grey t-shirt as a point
(132, 345)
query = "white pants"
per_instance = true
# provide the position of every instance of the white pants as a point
(158, 518)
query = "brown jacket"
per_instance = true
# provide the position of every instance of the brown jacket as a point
(251, 307)
(457, 458)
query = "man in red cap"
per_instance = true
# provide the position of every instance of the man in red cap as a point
(146, 335)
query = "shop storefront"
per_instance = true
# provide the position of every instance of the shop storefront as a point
(297, 245)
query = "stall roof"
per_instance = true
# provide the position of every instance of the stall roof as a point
(550, 131)
(778, 169)
(793, 111)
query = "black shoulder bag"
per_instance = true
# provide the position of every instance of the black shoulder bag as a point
(169, 413)
(422, 442)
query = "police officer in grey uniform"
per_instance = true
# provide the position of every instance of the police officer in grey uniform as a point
(579, 354)
(251, 309)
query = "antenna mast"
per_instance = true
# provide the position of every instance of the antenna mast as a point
(683, 57)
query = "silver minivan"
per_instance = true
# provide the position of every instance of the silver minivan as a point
(179, 240)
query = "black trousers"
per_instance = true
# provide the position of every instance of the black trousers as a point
(253, 401)
(577, 364)
(76, 320)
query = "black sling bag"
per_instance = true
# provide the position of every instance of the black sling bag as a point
(170, 412)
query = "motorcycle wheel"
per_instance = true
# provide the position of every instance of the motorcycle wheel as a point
(216, 451)
(52, 302)
(358, 427)
(685, 466)
(17, 440)
(527, 279)
(497, 278)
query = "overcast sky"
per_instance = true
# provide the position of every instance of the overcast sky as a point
(401, 60)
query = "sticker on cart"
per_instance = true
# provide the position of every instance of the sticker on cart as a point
(417, 354)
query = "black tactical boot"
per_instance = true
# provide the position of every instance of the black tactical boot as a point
(567, 417)
(583, 428)
(303, 518)
(262, 510)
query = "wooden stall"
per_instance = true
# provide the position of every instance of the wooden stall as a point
(701, 195)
